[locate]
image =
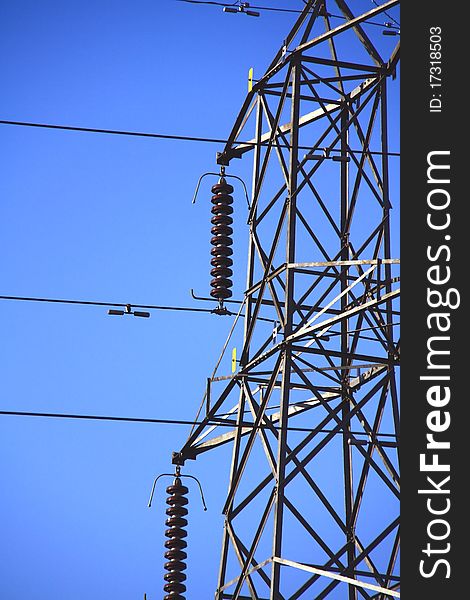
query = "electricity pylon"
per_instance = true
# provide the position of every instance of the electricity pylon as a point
(312, 509)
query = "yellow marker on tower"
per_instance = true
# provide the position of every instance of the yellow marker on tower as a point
(234, 360)
(250, 79)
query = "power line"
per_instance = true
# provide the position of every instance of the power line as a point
(163, 136)
(107, 304)
(15, 413)
(127, 307)
(283, 10)
(224, 4)
(221, 422)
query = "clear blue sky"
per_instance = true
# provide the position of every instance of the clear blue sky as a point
(109, 218)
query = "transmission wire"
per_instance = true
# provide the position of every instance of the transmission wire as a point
(233, 425)
(163, 136)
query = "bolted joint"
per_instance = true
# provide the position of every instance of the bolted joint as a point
(224, 158)
(177, 459)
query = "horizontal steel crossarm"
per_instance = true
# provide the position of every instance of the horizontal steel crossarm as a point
(261, 378)
(318, 60)
(355, 384)
(257, 376)
(271, 88)
(329, 263)
(346, 356)
(332, 575)
(324, 325)
(310, 117)
(345, 263)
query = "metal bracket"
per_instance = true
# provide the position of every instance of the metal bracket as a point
(221, 174)
(176, 474)
(224, 158)
(193, 295)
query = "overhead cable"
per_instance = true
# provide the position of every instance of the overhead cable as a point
(280, 9)
(221, 422)
(108, 304)
(163, 136)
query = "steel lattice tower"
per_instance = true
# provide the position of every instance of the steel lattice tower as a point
(312, 509)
